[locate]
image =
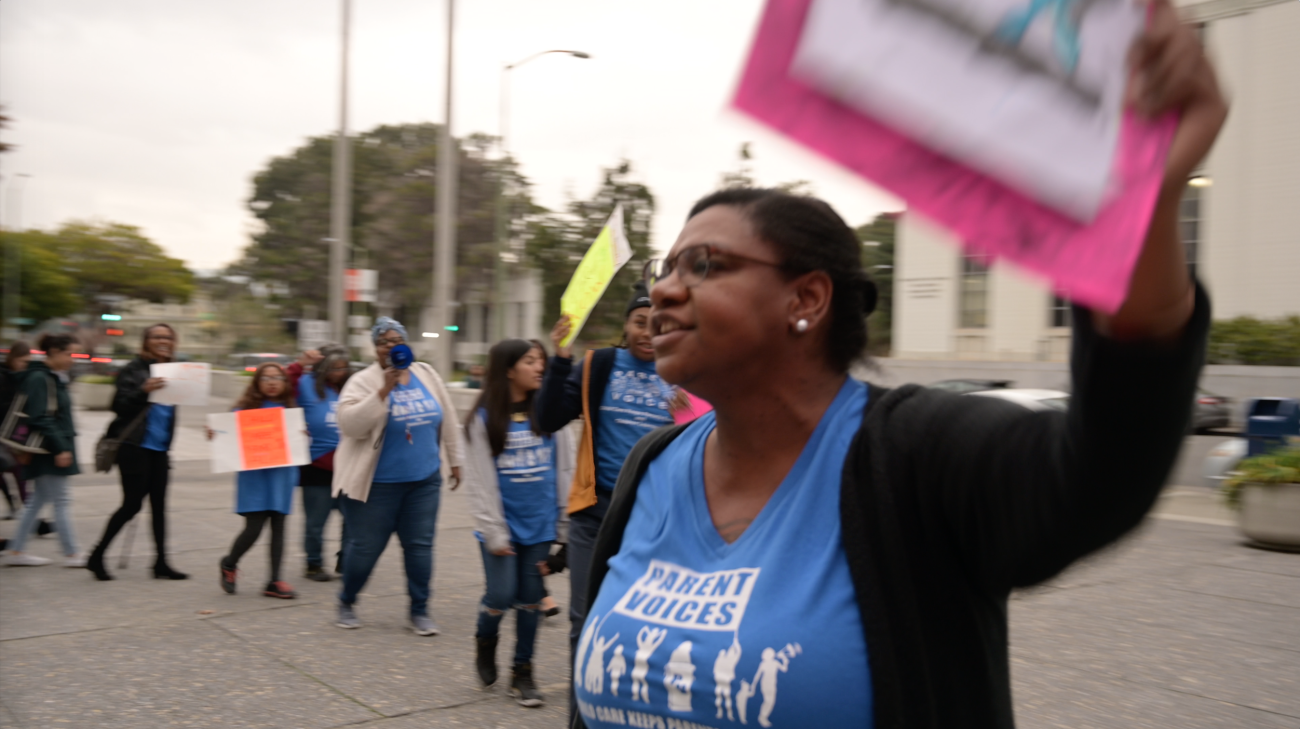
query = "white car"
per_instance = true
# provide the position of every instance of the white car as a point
(1029, 398)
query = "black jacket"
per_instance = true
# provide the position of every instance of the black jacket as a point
(559, 402)
(130, 399)
(59, 434)
(948, 502)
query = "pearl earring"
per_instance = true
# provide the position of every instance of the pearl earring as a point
(801, 326)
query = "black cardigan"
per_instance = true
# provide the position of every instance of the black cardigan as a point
(559, 402)
(949, 502)
(130, 399)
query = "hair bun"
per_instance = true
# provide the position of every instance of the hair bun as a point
(869, 295)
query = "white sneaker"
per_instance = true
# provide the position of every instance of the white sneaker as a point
(23, 559)
(76, 560)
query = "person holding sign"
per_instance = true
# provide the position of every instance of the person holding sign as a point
(845, 551)
(397, 424)
(265, 494)
(518, 478)
(146, 430)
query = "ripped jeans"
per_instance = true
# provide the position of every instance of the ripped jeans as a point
(513, 582)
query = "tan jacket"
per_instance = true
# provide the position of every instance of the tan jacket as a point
(362, 417)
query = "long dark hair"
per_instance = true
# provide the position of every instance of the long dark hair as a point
(17, 351)
(333, 354)
(495, 398)
(253, 397)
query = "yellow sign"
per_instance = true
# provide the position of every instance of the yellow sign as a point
(604, 258)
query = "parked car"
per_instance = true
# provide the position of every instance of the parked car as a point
(1211, 411)
(965, 386)
(1030, 398)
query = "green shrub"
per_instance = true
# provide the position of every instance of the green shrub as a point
(1250, 341)
(97, 379)
(1280, 466)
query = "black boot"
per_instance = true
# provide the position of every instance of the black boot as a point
(95, 563)
(485, 659)
(163, 571)
(523, 688)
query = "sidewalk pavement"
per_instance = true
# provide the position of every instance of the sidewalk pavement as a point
(1181, 625)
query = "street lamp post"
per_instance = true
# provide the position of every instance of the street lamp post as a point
(341, 196)
(13, 258)
(444, 246)
(502, 214)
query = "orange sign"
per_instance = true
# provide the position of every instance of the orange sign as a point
(262, 438)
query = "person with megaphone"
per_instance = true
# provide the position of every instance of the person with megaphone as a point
(396, 426)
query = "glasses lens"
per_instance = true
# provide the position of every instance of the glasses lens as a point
(274, 378)
(694, 264)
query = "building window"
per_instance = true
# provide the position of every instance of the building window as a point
(1189, 221)
(1061, 312)
(974, 291)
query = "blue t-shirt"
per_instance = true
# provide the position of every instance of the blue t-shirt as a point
(635, 403)
(158, 428)
(526, 475)
(321, 415)
(761, 632)
(410, 451)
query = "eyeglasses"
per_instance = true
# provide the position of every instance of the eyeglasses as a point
(694, 263)
(274, 378)
(393, 342)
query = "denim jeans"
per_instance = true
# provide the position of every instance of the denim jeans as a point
(411, 510)
(50, 489)
(513, 581)
(317, 503)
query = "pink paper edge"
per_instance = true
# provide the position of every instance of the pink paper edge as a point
(1094, 266)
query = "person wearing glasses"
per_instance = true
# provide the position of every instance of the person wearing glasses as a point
(620, 398)
(820, 551)
(146, 430)
(397, 427)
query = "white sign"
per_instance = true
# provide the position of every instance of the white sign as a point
(253, 447)
(1030, 92)
(361, 284)
(312, 333)
(186, 383)
(360, 321)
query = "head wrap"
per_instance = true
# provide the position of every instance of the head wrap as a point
(640, 298)
(386, 324)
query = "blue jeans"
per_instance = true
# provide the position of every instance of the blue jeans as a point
(411, 510)
(317, 503)
(513, 581)
(50, 489)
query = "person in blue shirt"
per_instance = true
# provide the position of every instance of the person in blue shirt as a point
(620, 398)
(264, 495)
(317, 393)
(146, 430)
(517, 478)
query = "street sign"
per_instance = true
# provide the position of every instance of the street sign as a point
(312, 333)
(359, 321)
(361, 284)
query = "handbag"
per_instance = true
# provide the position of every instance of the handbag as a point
(17, 435)
(106, 448)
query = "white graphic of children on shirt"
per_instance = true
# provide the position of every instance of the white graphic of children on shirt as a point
(617, 667)
(582, 651)
(765, 679)
(647, 642)
(724, 672)
(679, 674)
(596, 664)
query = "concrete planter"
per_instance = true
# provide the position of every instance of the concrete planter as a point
(93, 396)
(1270, 515)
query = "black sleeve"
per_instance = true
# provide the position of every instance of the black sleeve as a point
(559, 402)
(1019, 495)
(130, 398)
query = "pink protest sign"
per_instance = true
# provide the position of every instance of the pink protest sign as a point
(1090, 262)
(693, 410)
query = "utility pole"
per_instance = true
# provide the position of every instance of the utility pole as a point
(341, 198)
(444, 246)
(14, 259)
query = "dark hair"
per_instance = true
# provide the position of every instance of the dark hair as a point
(494, 400)
(810, 236)
(57, 342)
(17, 350)
(333, 354)
(253, 397)
(144, 336)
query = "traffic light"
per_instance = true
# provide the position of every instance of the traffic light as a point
(452, 328)
(111, 317)
(115, 332)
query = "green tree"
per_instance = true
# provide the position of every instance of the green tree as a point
(117, 259)
(47, 290)
(878, 258)
(1251, 341)
(557, 242)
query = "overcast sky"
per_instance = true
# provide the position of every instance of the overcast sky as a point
(157, 113)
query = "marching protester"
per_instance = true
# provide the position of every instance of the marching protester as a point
(11, 375)
(620, 398)
(852, 546)
(317, 393)
(396, 428)
(48, 408)
(517, 477)
(263, 495)
(146, 431)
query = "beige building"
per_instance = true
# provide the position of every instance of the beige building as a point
(1239, 217)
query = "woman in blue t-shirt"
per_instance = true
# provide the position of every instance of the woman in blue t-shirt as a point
(818, 552)
(517, 477)
(265, 494)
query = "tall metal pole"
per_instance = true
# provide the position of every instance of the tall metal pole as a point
(341, 199)
(14, 259)
(444, 245)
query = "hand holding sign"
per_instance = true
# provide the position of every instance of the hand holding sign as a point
(603, 259)
(180, 383)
